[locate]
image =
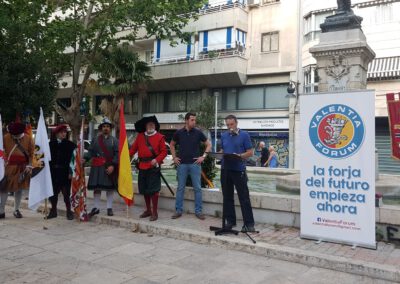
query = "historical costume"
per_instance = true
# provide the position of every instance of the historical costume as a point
(150, 145)
(18, 152)
(61, 150)
(103, 172)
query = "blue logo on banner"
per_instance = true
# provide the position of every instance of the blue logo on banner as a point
(337, 131)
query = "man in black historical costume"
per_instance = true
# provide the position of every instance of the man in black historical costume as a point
(61, 150)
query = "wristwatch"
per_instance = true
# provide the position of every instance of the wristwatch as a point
(204, 155)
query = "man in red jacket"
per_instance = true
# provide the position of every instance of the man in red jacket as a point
(151, 149)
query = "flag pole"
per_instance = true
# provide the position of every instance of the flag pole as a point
(45, 215)
(127, 211)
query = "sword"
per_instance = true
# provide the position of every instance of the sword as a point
(166, 183)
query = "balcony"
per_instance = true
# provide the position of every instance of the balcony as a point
(221, 15)
(216, 68)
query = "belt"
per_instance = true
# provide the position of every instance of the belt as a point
(145, 159)
(98, 161)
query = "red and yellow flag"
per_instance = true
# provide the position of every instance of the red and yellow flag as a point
(125, 188)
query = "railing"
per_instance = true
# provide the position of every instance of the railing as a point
(211, 54)
(221, 6)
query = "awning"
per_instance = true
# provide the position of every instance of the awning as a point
(384, 68)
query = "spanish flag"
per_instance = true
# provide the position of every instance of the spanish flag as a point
(125, 188)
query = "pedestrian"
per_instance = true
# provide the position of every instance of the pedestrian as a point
(151, 149)
(61, 150)
(233, 174)
(188, 162)
(262, 154)
(18, 152)
(272, 161)
(103, 151)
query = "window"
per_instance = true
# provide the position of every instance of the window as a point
(251, 98)
(311, 79)
(194, 99)
(275, 97)
(155, 102)
(176, 101)
(312, 24)
(270, 42)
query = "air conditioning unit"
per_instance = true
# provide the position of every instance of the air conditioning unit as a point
(253, 3)
(51, 120)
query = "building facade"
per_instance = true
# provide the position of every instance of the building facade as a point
(381, 27)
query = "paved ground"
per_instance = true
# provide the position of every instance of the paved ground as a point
(71, 252)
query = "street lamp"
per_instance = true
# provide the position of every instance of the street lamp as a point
(216, 95)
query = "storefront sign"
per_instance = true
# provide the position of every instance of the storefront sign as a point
(263, 123)
(393, 105)
(337, 175)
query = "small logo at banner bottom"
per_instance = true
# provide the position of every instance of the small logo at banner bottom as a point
(336, 131)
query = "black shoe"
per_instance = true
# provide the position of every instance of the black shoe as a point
(3, 215)
(70, 215)
(17, 214)
(94, 212)
(248, 229)
(52, 214)
(110, 212)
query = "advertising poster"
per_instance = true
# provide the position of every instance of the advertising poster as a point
(337, 160)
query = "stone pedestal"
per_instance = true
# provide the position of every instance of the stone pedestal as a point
(342, 60)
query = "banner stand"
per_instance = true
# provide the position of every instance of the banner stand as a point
(337, 178)
(327, 240)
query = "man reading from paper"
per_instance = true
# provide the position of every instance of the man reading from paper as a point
(233, 174)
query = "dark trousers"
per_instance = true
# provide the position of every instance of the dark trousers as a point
(238, 180)
(66, 191)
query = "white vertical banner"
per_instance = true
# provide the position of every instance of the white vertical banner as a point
(41, 186)
(337, 175)
(2, 169)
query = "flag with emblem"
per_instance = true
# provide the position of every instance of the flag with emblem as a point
(78, 186)
(125, 188)
(40, 186)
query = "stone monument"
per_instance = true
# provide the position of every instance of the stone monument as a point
(342, 54)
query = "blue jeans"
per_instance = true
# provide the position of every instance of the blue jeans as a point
(194, 171)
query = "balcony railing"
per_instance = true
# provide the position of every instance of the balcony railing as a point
(211, 54)
(221, 6)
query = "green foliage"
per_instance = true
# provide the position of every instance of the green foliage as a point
(88, 28)
(124, 67)
(30, 58)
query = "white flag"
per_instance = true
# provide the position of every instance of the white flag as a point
(41, 186)
(1, 151)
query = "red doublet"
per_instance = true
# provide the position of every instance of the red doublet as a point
(157, 141)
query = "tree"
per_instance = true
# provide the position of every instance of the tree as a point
(30, 59)
(129, 74)
(89, 27)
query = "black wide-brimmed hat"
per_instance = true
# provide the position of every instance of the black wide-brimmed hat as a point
(140, 125)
